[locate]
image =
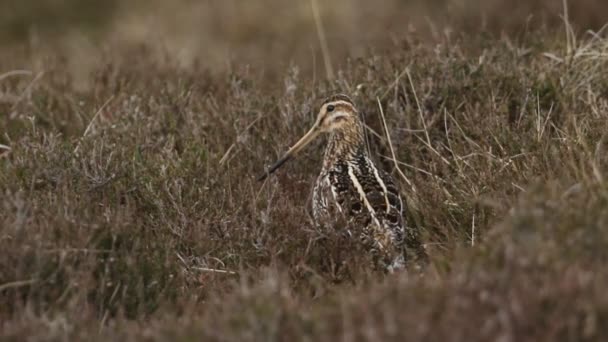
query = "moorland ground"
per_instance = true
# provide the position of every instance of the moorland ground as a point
(132, 134)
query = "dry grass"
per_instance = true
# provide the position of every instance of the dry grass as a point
(130, 208)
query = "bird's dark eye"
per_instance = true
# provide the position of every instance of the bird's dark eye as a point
(331, 108)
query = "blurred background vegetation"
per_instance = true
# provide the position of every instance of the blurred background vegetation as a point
(131, 133)
(270, 33)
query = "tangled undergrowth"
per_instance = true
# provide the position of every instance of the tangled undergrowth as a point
(130, 208)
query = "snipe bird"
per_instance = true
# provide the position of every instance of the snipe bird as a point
(351, 187)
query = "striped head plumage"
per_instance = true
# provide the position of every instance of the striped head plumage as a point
(350, 186)
(336, 116)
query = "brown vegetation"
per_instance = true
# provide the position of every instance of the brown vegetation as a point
(129, 149)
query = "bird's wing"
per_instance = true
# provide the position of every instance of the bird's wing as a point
(406, 237)
(384, 197)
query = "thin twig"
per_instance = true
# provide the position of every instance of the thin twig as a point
(414, 168)
(90, 125)
(77, 250)
(226, 155)
(420, 113)
(181, 258)
(390, 145)
(569, 34)
(204, 269)
(372, 131)
(18, 283)
(473, 231)
(447, 162)
(395, 82)
(322, 40)
(213, 270)
(15, 73)
(27, 89)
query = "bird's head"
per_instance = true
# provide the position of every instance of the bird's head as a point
(336, 114)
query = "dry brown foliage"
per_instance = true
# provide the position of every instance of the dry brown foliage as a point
(129, 148)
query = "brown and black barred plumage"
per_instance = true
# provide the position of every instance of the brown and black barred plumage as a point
(351, 189)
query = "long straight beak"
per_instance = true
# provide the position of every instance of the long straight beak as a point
(293, 151)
